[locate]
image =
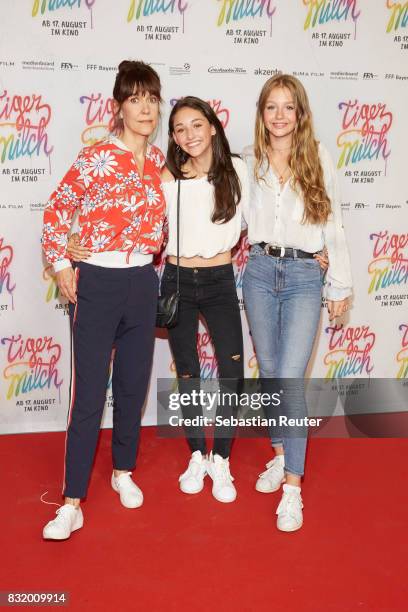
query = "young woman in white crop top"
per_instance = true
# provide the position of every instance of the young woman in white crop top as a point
(213, 190)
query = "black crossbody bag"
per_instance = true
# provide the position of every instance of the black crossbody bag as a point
(167, 307)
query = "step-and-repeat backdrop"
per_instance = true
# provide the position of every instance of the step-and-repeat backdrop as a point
(58, 60)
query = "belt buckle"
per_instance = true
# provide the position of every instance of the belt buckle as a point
(278, 248)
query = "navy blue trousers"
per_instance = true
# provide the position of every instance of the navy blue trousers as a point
(116, 309)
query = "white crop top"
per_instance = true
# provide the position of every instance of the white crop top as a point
(199, 236)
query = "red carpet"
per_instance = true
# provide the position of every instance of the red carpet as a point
(182, 552)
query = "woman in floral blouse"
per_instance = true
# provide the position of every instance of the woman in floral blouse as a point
(115, 187)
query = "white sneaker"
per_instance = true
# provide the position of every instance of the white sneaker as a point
(192, 480)
(289, 511)
(218, 469)
(271, 480)
(68, 519)
(130, 494)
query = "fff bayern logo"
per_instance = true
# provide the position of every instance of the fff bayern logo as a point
(364, 134)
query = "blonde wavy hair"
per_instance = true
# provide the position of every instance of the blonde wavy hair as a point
(304, 161)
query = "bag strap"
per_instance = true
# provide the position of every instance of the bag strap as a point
(178, 236)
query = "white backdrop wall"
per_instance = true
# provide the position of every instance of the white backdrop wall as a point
(58, 60)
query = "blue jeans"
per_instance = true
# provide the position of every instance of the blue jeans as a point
(283, 301)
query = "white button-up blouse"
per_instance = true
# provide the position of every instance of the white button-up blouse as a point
(274, 215)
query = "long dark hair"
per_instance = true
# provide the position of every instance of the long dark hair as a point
(222, 174)
(133, 77)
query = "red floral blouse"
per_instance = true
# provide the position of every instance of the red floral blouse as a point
(118, 209)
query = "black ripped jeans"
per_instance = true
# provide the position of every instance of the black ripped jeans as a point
(209, 292)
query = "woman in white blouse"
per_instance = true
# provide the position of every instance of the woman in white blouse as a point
(294, 211)
(213, 189)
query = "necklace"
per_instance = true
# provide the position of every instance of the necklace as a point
(280, 174)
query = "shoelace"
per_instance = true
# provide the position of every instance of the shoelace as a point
(48, 503)
(194, 468)
(222, 471)
(289, 504)
(271, 465)
(62, 517)
(120, 480)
